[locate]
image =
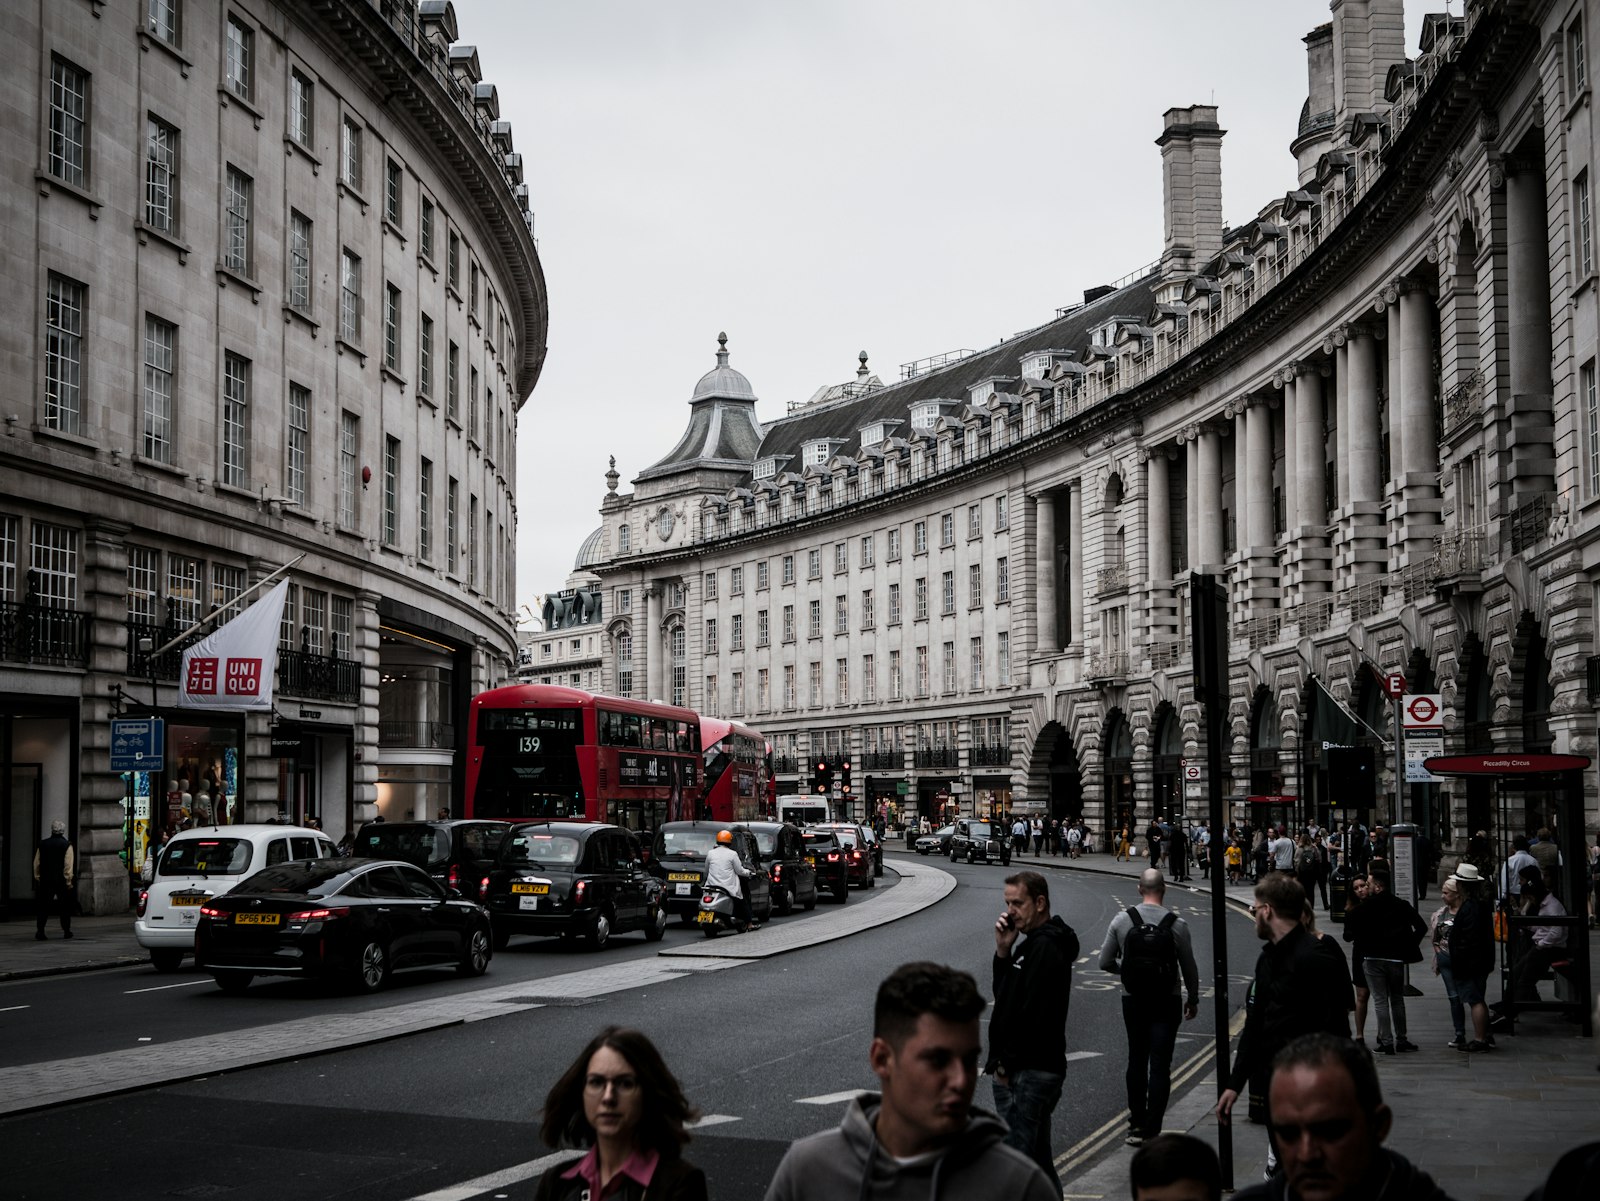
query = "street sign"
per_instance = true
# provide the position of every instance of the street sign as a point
(1192, 773)
(1395, 685)
(902, 787)
(1504, 765)
(1422, 745)
(138, 744)
(1424, 711)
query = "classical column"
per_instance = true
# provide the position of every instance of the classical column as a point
(1260, 537)
(1391, 316)
(653, 681)
(1044, 537)
(1157, 517)
(1306, 564)
(1528, 335)
(1419, 462)
(1362, 548)
(1075, 598)
(1191, 496)
(1338, 343)
(1210, 487)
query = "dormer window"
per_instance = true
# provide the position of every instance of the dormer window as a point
(766, 468)
(1105, 335)
(876, 435)
(817, 452)
(1036, 366)
(923, 417)
(979, 393)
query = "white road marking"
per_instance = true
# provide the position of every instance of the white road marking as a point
(159, 987)
(1074, 1056)
(9, 1008)
(830, 1098)
(714, 1119)
(506, 1176)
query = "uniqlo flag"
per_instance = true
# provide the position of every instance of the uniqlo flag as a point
(233, 666)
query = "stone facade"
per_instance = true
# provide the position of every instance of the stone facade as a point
(274, 295)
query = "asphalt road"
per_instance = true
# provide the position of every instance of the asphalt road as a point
(763, 1048)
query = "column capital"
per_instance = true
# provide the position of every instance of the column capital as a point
(1335, 340)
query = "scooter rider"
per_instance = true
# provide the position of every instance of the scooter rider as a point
(725, 870)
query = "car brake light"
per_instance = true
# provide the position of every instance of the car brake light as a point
(578, 890)
(833, 856)
(144, 901)
(855, 854)
(483, 887)
(318, 915)
(453, 879)
(777, 871)
(212, 911)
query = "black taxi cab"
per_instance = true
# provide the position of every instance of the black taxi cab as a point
(678, 860)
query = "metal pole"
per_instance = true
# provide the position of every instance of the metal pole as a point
(1399, 814)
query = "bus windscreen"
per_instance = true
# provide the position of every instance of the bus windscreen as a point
(529, 763)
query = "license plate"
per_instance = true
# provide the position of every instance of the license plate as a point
(676, 876)
(811, 861)
(685, 889)
(189, 899)
(536, 890)
(255, 919)
(705, 918)
(528, 902)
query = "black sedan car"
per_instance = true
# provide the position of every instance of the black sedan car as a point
(979, 841)
(573, 879)
(350, 920)
(783, 854)
(678, 860)
(829, 858)
(456, 853)
(857, 852)
(937, 843)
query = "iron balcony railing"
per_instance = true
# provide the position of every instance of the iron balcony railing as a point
(319, 677)
(164, 666)
(937, 756)
(990, 756)
(785, 763)
(1458, 552)
(50, 635)
(1260, 631)
(417, 735)
(883, 760)
(1167, 653)
(1109, 665)
(1464, 402)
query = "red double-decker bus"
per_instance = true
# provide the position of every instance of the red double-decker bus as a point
(544, 751)
(738, 772)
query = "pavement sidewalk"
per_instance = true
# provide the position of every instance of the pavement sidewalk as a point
(100, 941)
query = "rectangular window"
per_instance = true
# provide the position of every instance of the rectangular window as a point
(299, 261)
(974, 521)
(711, 695)
(866, 550)
(947, 530)
(236, 222)
(1585, 219)
(162, 20)
(452, 509)
(868, 616)
(391, 327)
(788, 569)
(235, 420)
(425, 229)
(841, 615)
(1577, 65)
(472, 284)
(922, 671)
(452, 259)
(143, 582)
(869, 679)
(425, 357)
(763, 575)
(299, 434)
(239, 70)
(393, 183)
(892, 550)
(841, 557)
(814, 564)
(814, 679)
(815, 613)
(302, 97)
(343, 627)
(975, 656)
(183, 588)
(160, 176)
(1591, 409)
(425, 510)
(788, 623)
(1002, 580)
(452, 382)
(1002, 512)
(314, 622)
(625, 666)
(841, 681)
(1002, 657)
(160, 360)
(763, 689)
(763, 628)
(789, 698)
(8, 557)
(68, 155)
(949, 661)
(894, 604)
(709, 588)
(919, 538)
(350, 154)
(974, 585)
(736, 632)
(624, 600)
(472, 541)
(947, 592)
(922, 598)
(349, 443)
(711, 635)
(350, 297)
(472, 406)
(736, 581)
(896, 680)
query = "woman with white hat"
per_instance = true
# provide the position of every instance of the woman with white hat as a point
(1471, 944)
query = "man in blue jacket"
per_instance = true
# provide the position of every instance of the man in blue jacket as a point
(1028, 1033)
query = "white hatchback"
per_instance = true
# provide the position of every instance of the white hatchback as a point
(198, 865)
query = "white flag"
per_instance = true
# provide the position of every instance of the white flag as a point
(233, 667)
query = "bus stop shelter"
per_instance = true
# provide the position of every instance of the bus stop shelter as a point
(1560, 777)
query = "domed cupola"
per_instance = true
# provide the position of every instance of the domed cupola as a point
(722, 382)
(723, 434)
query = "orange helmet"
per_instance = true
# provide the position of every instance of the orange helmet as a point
(725, 837)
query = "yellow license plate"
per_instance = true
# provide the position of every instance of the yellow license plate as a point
(532, 890)
(811, 861)
(188, 900)
(675, 877)
(255, 919)
(705, 918)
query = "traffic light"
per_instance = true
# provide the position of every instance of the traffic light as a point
(844, 776)
(822, 779)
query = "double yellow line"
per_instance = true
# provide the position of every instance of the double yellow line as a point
(1088, 1147)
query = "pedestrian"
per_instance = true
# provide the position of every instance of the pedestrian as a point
(1389, 933)
(1178, 852)
(1175, 1167)
(1324, 868)
(619, 1100)
(1202, 848)
(152, 855)
(1149, 946)
(727, 871)
(1152, 838)
(1028, 1032)
(444, 813)
(921, 1136)
(1335, 846)
(53, 868)
(1297, 990)
(1235, 861)
(1546, 944)
(1439, 926)
(1125, 843)
(1329, 1123)
(1074, 841)
(1281, 851)
(1471, 945)
(1038, 837)
(1358, 971)
(1305, 867)
(1019, 836)
(1548, 855)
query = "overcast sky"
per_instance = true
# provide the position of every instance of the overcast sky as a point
(821, 177)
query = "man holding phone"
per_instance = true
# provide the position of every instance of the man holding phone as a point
(1028, 1032)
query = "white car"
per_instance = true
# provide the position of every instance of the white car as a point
(201, 863)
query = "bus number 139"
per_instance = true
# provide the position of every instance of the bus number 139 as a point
(528, 744)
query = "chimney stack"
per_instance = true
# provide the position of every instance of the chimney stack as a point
(1191, 185)
(1317, 119)
(1369, 37)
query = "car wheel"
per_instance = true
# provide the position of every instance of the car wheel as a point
(601, 933)
(766, 914)
(1005, 860)
(371, 970)
(475, 955)
(657, 928)
(166, 959)
(843, 895)
(812, 903)
(971, 858)
(877, 870)
(233, 982)
(785, 903)
(871, 883)
(502, 937)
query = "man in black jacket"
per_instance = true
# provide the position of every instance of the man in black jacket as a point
(1297, 990)
(1388, 933)
(1028, 1032)
(52, 879)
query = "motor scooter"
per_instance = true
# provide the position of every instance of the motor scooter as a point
(716, 911)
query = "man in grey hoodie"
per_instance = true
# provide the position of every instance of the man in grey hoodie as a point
(921, 1138)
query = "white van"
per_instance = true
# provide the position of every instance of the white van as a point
(198, 865)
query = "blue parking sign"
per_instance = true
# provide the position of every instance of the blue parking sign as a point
(138, 744)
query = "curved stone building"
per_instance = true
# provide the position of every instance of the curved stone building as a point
(1371, 409)
(273, 292)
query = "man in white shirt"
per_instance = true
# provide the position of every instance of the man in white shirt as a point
(1281, 849)
(725, 870)
(1511, 870)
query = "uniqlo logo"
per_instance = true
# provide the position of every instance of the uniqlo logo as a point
(202, 676)
(244, 677)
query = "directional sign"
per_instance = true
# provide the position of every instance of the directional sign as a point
(138, 744)
(1423, 711)
(1192, 772)
(1395, 685)
(1512, 764)
(1422, 745)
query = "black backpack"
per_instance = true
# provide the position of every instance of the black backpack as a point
(1150, 957)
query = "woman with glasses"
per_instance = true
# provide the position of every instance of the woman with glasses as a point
(619, 1100)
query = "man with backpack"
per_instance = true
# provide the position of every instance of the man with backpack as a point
(1148, 945)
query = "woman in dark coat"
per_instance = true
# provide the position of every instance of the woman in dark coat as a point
(1471, 945)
